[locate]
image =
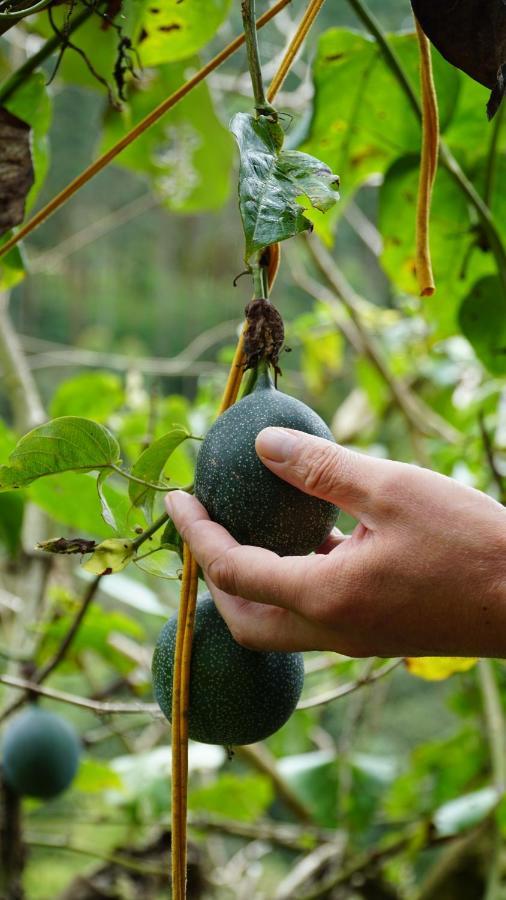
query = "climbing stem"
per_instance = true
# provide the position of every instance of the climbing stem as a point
(263, 108)
(312, 10)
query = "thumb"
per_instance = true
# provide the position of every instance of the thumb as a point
(324, 469)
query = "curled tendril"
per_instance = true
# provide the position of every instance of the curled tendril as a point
(8, 10)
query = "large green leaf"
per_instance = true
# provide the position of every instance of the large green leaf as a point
(187, 155)
(62, 445)
(456, 264)
(273, 180)
(172, 30)
(71, 500)
(362, 119)
(94, 395)
(151, 464)
(11, 521)
(244, 798)
(97, 41)
(483, 321)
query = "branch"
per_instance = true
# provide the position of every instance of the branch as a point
(418, 415)
(494, 720)
(18, 382)
(46, 670)
(262, 107)
(345, 689)
(284, 834)
(257, 756)
(488, 447)
(112, 858)
(100, 708)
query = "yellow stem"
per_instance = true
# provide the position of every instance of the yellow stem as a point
(305, 24)
(134, 133)
(428, 167)
(189, 586)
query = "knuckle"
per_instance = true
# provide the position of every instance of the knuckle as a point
(322, 469)
(222, 572)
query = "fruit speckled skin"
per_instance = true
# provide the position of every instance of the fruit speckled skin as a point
(241, 494)
(40, 753)
(237, 696)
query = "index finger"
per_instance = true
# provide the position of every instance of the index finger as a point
(249, 572)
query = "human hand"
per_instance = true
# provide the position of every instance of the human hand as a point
(423, 574)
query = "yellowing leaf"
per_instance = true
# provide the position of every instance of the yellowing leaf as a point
(110, 556)
(437, 668)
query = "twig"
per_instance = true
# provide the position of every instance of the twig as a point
(114, 859)
(43, 673)
(284, 834)
(12, 855)
(262, 107)
(20, 75)
(100, 708)
(345, 689)
(257, 756)
(496, 733)
(418, 414)
(18, 382)
(294, 46)
(134, 133)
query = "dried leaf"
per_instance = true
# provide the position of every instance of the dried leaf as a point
(16, 169)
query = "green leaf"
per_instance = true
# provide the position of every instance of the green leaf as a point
(95, 776)
(112, 555)
(150, 466)
(464, 812)
(455, 265)
(482, 318)
(173, 30)
(187, 155)
(61, 445)
(12, 265)
(107, 513)
(315, 779)
(244, 798)
(71, 500)
(272, 180)
(94, 395)
(362, 119)
(172, 539)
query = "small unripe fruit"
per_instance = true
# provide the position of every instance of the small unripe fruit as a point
(40, 753)
(237, 696)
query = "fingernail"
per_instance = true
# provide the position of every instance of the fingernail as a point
(171, 501)
(275, 443)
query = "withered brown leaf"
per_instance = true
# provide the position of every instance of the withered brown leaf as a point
(16, 169)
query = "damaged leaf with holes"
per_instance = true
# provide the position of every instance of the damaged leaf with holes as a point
(275, 184)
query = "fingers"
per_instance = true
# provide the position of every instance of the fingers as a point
(262, 627)
(323, 469)
(248, 572)
(335, 538)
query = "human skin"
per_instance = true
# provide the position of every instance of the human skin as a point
(423, 574)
